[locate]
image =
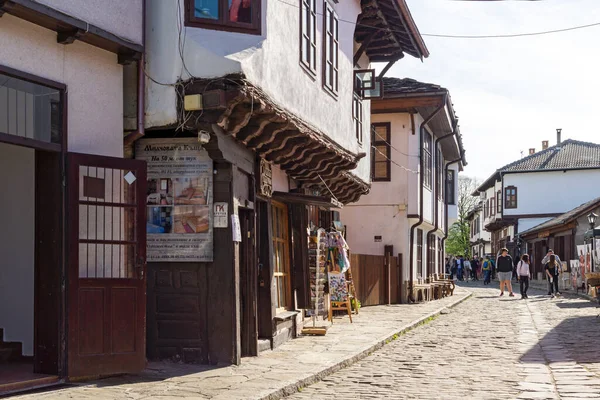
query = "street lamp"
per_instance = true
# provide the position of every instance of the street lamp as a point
(592, 220)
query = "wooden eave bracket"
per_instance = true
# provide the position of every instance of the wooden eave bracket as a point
(68, 37)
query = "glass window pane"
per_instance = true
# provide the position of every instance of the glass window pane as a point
(240, 11)
(208, 9)
(29, 110)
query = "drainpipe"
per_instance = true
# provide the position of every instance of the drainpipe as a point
(421, 177)
(436, 183)
(141, 88)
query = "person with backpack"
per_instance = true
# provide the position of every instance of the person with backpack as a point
(552, 268)
(523, 274)
(505, 270)
(487, 270)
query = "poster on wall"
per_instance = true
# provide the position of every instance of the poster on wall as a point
(575, 273)
(179, 199)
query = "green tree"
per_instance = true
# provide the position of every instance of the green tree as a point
(458, 242)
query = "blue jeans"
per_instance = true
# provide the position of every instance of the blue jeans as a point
(460, 274)
(487, 275)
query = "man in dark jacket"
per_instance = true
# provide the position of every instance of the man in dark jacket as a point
(504, 265)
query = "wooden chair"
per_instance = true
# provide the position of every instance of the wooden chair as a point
(340, 306)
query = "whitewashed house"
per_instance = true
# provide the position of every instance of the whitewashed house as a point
(277, 93)
(537, 188)
(480, 239)
(68, 96)
(416, 155)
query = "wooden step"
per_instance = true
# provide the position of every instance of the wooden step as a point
(10, 351)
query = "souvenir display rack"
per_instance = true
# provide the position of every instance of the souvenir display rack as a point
(317, 260)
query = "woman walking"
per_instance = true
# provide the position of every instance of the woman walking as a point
(552, 270)
(523, 274)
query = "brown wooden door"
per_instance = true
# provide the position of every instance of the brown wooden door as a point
(106, 304)
(248, 285)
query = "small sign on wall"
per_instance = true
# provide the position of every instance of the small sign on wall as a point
(378, 239)
(221, 215)
(235, 226)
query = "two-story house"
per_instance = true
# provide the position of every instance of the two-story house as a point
(257, 124)
(72, 291)
(479, 238)
(416, 155)
(537, 188)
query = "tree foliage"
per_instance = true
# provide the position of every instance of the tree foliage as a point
(458, 242)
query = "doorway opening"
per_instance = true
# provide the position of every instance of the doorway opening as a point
(30, 270)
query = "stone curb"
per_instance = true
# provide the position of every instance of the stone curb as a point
(319, 375)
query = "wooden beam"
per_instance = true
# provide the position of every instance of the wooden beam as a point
(267, 135)
(364, 46)
(255, 127)
(281, 140)
(281, 156)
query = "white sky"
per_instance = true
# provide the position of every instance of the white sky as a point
(512, 93)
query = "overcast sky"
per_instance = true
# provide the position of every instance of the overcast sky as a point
(512, 93)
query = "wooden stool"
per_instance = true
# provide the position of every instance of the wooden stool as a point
(340, 306)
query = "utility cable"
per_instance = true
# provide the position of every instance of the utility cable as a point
(438, 35)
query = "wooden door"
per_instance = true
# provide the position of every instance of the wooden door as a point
(107, 260)
(248, 285)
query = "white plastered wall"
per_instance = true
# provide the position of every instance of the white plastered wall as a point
(93, 77)
(270, 61)
(17, 235)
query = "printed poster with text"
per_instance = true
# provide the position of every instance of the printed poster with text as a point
(179, 199)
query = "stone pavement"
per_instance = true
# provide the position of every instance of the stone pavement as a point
(486, 348)
(273, 374)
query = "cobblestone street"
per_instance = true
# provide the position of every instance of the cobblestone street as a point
(488, 347)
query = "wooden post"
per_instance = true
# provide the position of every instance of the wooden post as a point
(400, 282)
(389, 279)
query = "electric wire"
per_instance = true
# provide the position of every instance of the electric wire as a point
(447, 36)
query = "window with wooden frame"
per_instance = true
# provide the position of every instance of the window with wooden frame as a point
(499, 202)
(439, 166)
(281, 255)
(510, 197)
(225, 15)
(492, 206)
(430, 254)
(357, 117)
(330, 49)
(31, 110)
(308, 36)
(427, 160)
(420, 251)
(450, 187)
(486, 209)
(440, 255)
(381, 152)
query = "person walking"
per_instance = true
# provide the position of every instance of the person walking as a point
(524, 274)
(476, 268)
(504, 264)
(459, 268)
(467, 269)
(552, 268)
(487, 271)
(548, 255)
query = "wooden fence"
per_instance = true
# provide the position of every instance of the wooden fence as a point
(377, 279)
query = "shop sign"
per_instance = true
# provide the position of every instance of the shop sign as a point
(265, 178)
(179, 199)
(221, 215)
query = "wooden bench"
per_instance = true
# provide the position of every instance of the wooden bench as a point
(422, 291)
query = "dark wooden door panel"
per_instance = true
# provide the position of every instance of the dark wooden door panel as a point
(107, 262)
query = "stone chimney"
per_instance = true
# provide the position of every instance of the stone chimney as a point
(558, 132)
(531, 151)
(544, 144)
